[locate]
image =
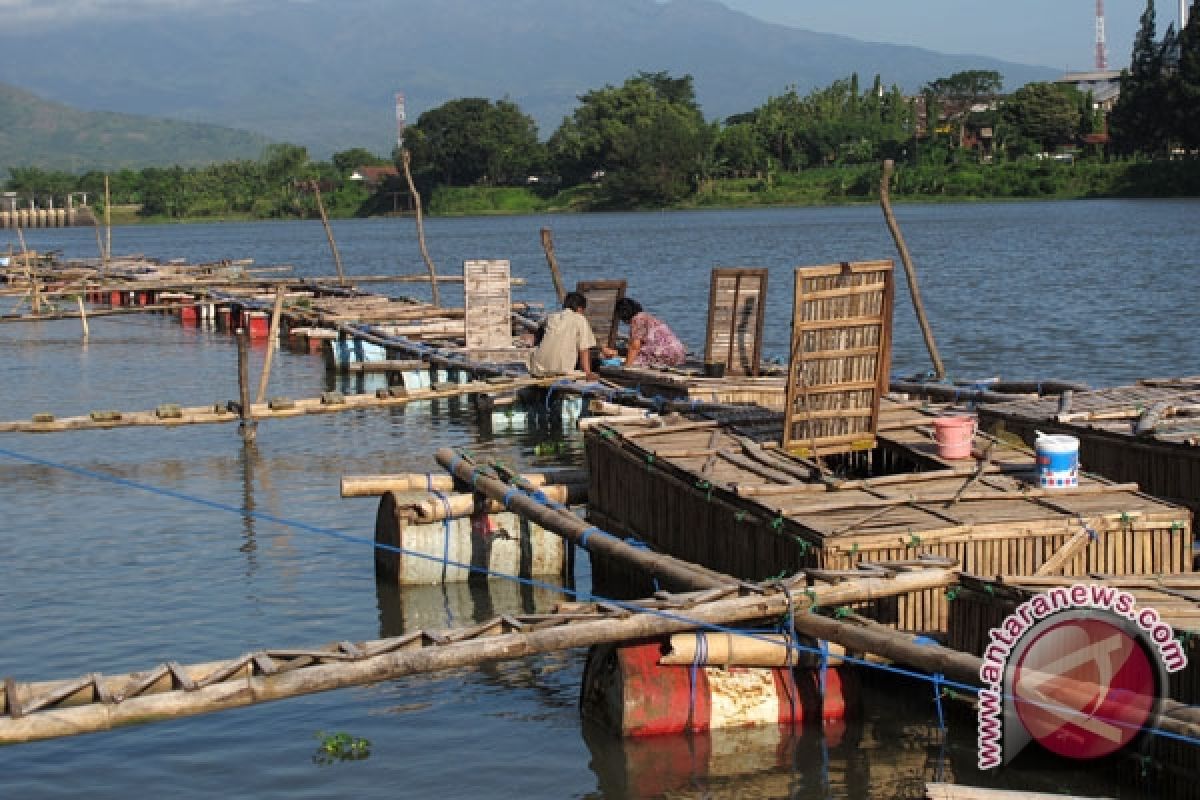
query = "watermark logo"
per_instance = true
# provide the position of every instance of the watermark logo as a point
(1081, 670)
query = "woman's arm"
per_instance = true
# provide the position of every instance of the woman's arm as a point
(635, 347)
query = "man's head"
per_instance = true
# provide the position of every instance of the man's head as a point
(575, 301)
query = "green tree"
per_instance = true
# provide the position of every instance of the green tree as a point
(1046, 113)
(1184, 87)
(961, 91)
(647, 135)
(1139, 121)
(347, 161)
(472, 141)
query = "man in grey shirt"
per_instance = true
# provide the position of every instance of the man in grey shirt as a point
(566, 340)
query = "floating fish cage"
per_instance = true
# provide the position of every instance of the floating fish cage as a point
(709, 493)
(1147, 433)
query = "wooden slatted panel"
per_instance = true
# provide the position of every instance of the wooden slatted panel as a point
(601, 313)
(841, 349)
(488, 304)
(736, 312)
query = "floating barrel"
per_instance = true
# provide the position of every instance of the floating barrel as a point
(627, 689)
(258, 323)
(188, 314)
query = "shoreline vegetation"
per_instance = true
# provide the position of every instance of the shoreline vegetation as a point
(818, 187)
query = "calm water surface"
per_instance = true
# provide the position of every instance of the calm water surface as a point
(105, 573)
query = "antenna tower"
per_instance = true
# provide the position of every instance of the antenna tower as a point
(1101, 54)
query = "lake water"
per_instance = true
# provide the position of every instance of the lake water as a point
(148, 549)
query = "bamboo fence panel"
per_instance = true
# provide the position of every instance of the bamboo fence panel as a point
(736, 314)
(841, 345)
(487, 305)
(601, 311)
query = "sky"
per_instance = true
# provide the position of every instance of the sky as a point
(1052, 33)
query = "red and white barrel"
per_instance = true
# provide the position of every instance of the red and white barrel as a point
(628, 690)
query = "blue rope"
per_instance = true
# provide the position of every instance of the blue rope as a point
(445, 531)
(631, 607)
(937, 700)
(588, 531)
(508, 496)
(698, 659)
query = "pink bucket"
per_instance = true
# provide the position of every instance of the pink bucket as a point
(954, 435)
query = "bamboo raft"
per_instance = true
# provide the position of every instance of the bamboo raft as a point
(1148, 432)
(720, 493)
(170, 415)
(32, 711)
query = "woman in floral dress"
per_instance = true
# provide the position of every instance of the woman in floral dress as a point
(651, 342)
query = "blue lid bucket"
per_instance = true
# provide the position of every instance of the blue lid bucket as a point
(1057, 460)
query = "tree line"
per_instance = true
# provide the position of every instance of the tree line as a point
(647, 143)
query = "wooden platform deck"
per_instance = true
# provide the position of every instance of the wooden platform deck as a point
(718, 493)
(689, 383)
(1162, 454)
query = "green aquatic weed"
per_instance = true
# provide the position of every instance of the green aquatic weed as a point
(340, 746)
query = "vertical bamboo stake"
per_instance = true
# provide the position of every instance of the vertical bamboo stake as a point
(272, 339)
(552, 260)
(914, 291)
(83, 317)
(107, 225)
(405, 158)
(247, 426)
(34, 286)
(100, 248)
(337, 257)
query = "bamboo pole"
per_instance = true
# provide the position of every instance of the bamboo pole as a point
(272, 343)
(405, 158)
(337, 257)
(939, 370)
(111, 701)
(107, 225)
(430, 508)
(678, 573)
(552, 260)
(375, 485)
(247, 425)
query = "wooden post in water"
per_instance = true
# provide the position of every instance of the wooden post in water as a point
(337, 257)
(272, 341)
(405, 159)
(910, 271)
(35, 287)
(247, 427)
(83, 317)
(552, 260)
(107, 225)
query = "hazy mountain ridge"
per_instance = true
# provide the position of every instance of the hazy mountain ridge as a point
(35, 132)
(324, 74)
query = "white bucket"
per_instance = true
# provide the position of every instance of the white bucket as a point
(1057, 460)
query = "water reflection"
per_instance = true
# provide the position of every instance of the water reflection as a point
(449, 605)
(250, 460)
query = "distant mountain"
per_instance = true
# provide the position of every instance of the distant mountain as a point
(52, 136)
(324, 74)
